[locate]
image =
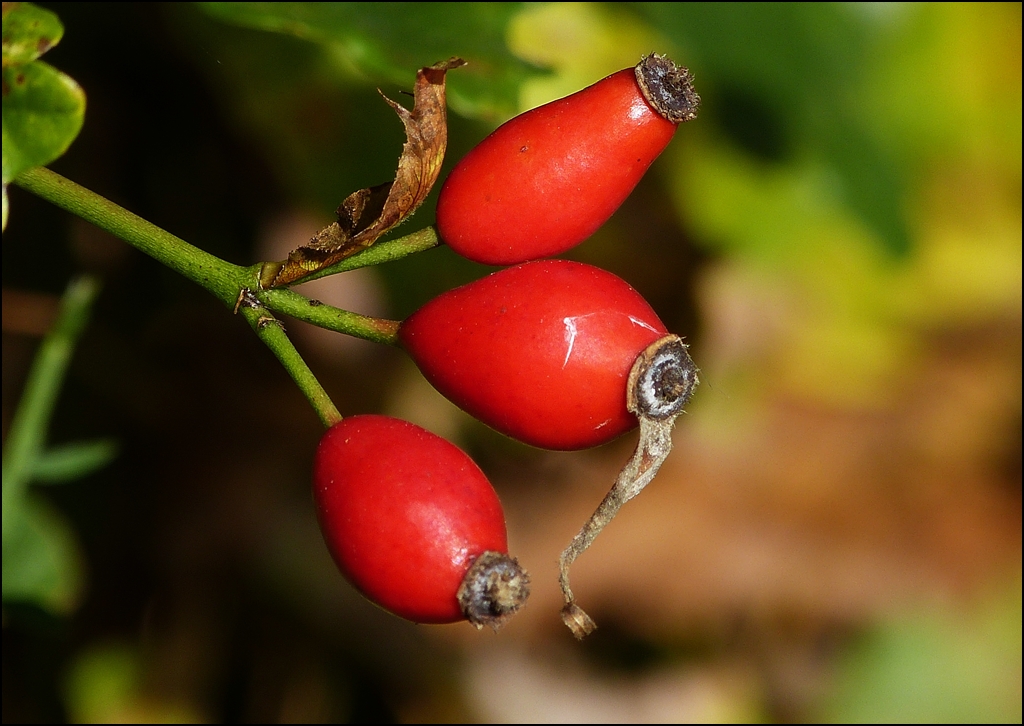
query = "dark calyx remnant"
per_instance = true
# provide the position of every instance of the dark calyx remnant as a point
(663, 384)
(493, 590)
(668, 88)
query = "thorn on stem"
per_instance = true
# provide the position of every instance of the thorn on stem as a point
(247, 298)
(265, 320)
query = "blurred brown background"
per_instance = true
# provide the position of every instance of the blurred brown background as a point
(837, 534)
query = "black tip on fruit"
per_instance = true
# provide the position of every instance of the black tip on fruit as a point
(662, 380)
(493, 590)
(668, 88)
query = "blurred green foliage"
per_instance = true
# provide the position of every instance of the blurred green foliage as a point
(67, 462)
(41, 558)
(105, 684)
(939, 666)
(787, 83)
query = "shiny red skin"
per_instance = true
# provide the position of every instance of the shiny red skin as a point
(404, 513)
(548, 179)
(541, 351)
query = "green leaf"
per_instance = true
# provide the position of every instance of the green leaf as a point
(43, 111)
(41, 559)
(73, 461)
(28, 32)
(392, 40)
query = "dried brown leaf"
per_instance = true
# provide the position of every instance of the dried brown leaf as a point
(367, 214)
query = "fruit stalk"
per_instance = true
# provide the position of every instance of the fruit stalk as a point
(290, 303)
(381, 252)
(661, 383)
(271, 331)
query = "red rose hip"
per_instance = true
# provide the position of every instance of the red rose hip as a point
(414, 524)
(546, 180)
(541, 352)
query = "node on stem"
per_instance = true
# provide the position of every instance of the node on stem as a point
(660, 385)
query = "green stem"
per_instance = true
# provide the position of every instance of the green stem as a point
(381, 252)
(227, 282)
(297, 306)
(27, 435)
(221, 278)
(285, 301)
(272, 333)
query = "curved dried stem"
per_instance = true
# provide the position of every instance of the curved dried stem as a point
(661, 383)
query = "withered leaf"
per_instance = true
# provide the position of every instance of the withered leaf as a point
(367, 214)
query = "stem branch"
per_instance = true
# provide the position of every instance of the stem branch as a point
(227, 282)
(293, 304)
(381, 252)
(270, 330)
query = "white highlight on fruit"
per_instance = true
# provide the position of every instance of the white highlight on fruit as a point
(642, 324)
(570, 337)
